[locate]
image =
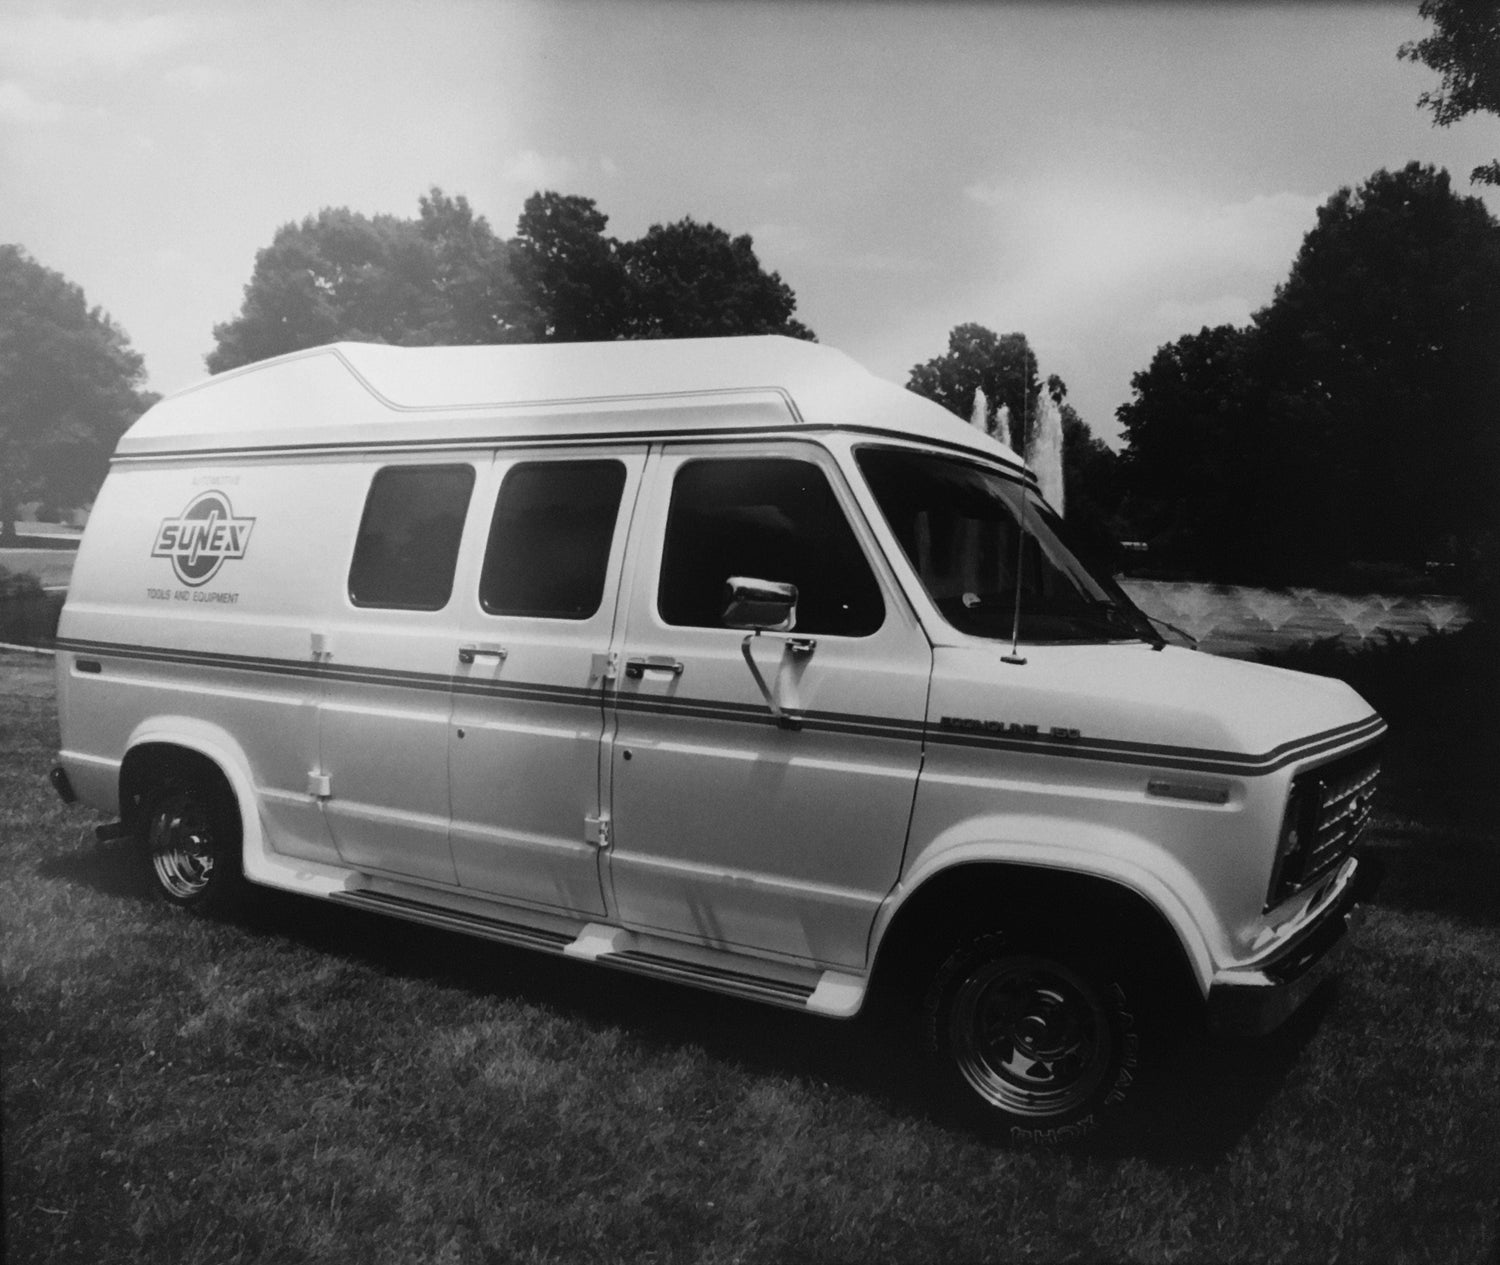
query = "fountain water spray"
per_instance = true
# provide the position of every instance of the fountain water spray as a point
(1044, 450)
(1362, 615)
(1270, 607)
(1002, 427)
(979, 415)
(1441, 613)
(1199, 609)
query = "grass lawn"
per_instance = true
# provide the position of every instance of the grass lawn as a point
(305, 1083)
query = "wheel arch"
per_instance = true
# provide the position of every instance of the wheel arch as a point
(974, 895)
(180, 745)
(197, 744)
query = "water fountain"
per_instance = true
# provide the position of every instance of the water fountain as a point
(1197, 608)
(1362, 615)
(1248, 619)
(979, 415)
(1272, 608)
(1441, 613)
(1044, 450)
(1002, 427)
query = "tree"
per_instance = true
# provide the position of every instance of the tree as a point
(1005, 368)
(443, 278)
(1383, 345)
(480, 299)
(1353, 419)
(681, 280)
(70, 384)
(446, 278)
(1188, 431)
(977, 358)
(1464, 49)
(1091, 475)
(571, 273)
(691, 280)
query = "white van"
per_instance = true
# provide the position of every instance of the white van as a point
(718, 660)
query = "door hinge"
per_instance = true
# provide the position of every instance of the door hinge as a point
(605, 666)
(320, 785)
(596, 831)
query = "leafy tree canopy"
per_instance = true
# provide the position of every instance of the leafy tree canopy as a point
(1464, 48)
(442, 278)
(693, 279)
(570, 271)
(1353, 419)
(70, 384)
(447, 278)
(1001, 365)
(1005, 368)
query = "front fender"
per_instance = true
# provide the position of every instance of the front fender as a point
(1064, 846)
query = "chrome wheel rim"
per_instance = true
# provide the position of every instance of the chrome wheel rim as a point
(182, 849)
(1030, 1036)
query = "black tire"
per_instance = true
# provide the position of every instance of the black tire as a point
(1033, 1041)
(190, 836)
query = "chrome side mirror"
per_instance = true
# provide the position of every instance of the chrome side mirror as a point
(764, 605)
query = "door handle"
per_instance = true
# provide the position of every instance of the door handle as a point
(467, 654)
(637, 668)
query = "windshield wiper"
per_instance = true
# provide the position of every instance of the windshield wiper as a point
(1128, 618)
(1173, 627)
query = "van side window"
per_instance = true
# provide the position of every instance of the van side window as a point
(408, 540)
(548, 553)
(767, 518)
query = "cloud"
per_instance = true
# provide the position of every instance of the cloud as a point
(1189, 317)
(54, 43)
(199, 78)
(540, 171)
(17, 105)
(795, 240)
(781, 239)
(989, 194)
(873, 261)
(1099, 272)
(1133, 249)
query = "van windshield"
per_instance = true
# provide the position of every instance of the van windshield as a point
(960, 525)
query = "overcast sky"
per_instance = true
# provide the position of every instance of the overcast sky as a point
(1104, 178)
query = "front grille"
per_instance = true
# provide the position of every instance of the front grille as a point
(1332, 805)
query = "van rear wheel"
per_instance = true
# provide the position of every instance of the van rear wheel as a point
(192, 844)
(1032, 1040)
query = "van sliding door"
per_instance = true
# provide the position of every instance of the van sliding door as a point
(389, 669)
(530, 663)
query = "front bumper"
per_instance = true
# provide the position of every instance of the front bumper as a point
(1254, 1001)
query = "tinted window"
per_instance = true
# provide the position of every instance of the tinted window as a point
(548, 554)
(409, 537)
(766, 518)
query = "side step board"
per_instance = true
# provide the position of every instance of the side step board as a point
(452, 920)
(830, 993)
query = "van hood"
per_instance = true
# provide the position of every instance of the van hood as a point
(1168, 708)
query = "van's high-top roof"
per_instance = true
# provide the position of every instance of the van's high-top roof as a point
(372, 396)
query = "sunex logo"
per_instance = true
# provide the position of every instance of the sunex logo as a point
(202, 537)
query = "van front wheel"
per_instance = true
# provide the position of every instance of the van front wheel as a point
(192, 844)
(1037, 1042)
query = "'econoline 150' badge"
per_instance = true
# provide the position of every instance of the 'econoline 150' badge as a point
(202, 538)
